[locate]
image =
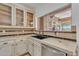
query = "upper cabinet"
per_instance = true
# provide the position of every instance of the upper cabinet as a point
(30, 19)
(5, 14)
(16, 15)
(19, 17)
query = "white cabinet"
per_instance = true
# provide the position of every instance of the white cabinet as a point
(14, 14)
(34, 47)
(37, 48)
(20, 46)
(5, 15)
(48, 51)
(13, 46)
(31, 46)
(6, 48)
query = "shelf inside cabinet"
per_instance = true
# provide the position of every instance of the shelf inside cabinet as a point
(29, 19)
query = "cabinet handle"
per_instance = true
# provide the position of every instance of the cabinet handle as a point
(5, 43)
(0, 48)
(15, 44)
(33, 44)
(66, 54)
(21, 40)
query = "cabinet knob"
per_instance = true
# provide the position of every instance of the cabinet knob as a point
(5, 43)
(0, 48)
(15, 44)
(33, 44)
(21, 40)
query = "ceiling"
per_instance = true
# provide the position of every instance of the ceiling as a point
(38, 5)
(32, 5)
(43, 8)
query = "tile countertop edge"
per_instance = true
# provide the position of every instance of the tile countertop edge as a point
(16, 34)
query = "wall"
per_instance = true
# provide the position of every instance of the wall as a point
(75, 20)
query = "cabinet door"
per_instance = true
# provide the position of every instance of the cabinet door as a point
(19, 17)
(5, 14)
(48, 51)
(6, 48)
(37, 48)
(20, 47)
(29, 19)
(30, 47)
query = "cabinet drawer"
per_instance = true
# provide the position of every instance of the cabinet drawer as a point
(6, 48)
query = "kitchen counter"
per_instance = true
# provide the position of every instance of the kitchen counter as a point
(66, 46)
(60, 44)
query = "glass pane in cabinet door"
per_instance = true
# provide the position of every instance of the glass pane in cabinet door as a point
(29, 19)
(5, 14)
(19, 17)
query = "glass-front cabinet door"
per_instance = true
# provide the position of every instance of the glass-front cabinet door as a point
(15, 15)
(19, 17)
(5, 14)
(29, 19)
